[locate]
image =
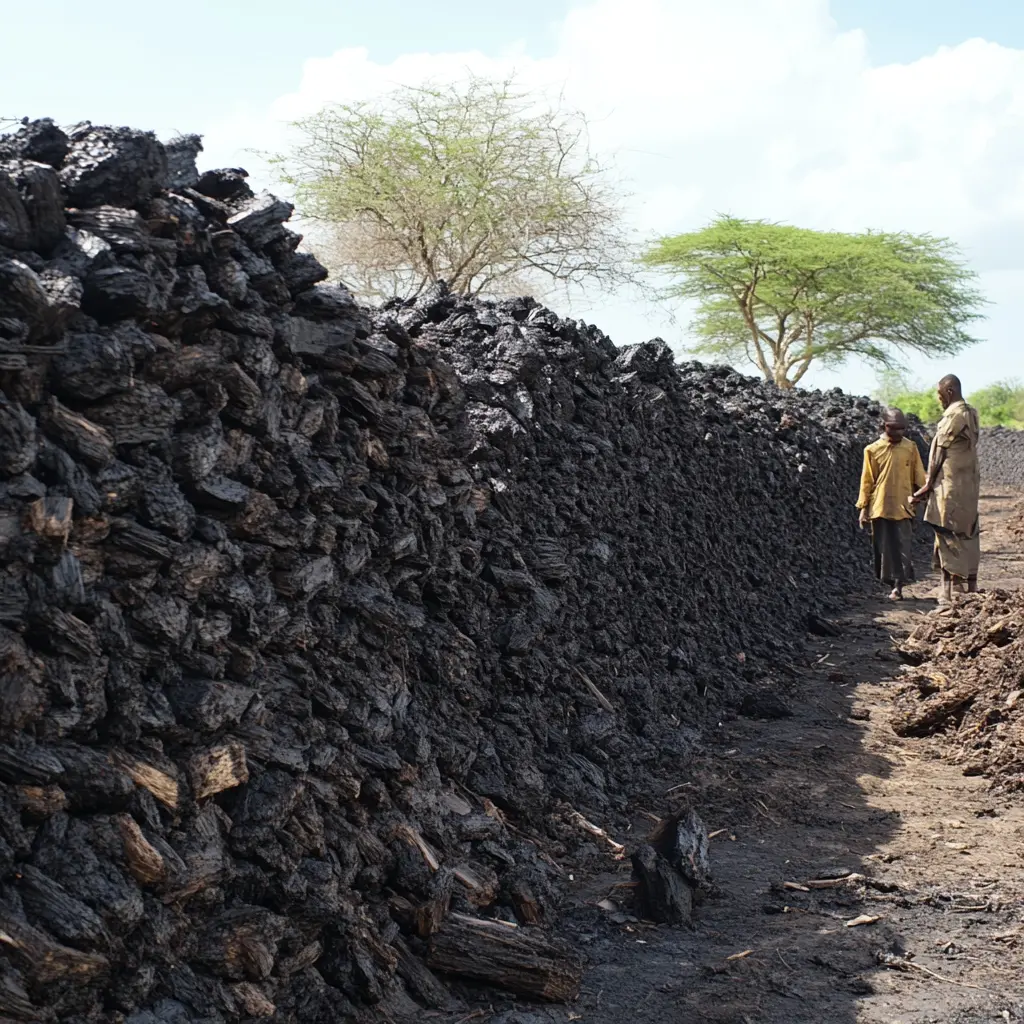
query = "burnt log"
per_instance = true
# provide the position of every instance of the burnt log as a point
(505, 956)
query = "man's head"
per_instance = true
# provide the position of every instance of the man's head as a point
(949, 390)
(894, 425)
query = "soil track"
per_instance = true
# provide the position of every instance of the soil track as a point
(828, 791)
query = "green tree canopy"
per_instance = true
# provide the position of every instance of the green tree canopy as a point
(784, 298)
(999, 405)
(475, 184)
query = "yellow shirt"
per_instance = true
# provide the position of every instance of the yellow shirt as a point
(891, 474)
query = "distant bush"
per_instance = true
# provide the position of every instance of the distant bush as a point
(999, 405)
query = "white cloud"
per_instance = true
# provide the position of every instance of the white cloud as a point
(761, 108)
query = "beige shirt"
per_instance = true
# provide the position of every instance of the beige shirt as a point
(953, 502)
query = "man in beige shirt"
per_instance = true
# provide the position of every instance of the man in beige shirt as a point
(952, 489)
(892, 470)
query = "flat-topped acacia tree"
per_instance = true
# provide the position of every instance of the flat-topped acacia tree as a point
(477, 183)
(784, 298)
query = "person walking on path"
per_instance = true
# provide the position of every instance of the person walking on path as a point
(953, 488)
(892, 471)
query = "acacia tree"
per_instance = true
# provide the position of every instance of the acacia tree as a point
(784, 297)
(469, 183)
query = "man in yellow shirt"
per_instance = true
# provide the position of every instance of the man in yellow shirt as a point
(893, 470)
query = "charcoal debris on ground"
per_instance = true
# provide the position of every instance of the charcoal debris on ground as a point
(964, 685)
(319, 623)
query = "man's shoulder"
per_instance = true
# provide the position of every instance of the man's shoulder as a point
(877, 446)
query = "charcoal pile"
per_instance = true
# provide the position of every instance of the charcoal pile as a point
(322, 628)
(1001, 454)
(966, 686)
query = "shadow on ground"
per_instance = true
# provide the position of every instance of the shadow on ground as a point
(823, 793)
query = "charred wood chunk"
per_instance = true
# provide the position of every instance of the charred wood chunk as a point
(421, 981)
(41, 802)
(92, 781)
(31, 206)
(242, 944)
(122, 229)
(165, 508)
(663, 895)
(516, 959)
(22, 762)
(19, 445)
(259, 219)
(328, 345)
(46, 961)
(81, 437)
(59, 631)
(223, 493)
(49, 905)
(682, 839)
(182, 152)
(119, 166)
(51, 518)
(209, 705)
(159, 782)
(140, 414)
(130, 536)
(225, 183)
(145, 862)
(302, 271)
(15, 1003)
(39, 140)
(92, 366)
(217, 769)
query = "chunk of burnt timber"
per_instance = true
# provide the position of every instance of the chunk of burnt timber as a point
(14, 999)
(682, 839)
(51, 518)
(225, 183)
(25, 763)
(44, 960)
(31, 206)
(83, 438)
(663, 895)
(129, 535)
(242, 943)
(221, 492)
(119, 166)
(259, 219)
(422, 983)
(217, 769)
(209, 705)
(181, 160)
(302, 271)
(18, 438)
(518, 960)
(328, 303)
(50, 906)
(92, 366)
(38, 140)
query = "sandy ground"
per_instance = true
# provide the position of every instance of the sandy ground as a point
(828, 791)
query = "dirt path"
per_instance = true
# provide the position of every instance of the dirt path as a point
(828, 791)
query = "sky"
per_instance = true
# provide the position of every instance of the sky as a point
(830, 114)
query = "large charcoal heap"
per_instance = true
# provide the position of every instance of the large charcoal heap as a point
(304, 606)
(1001, 454)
